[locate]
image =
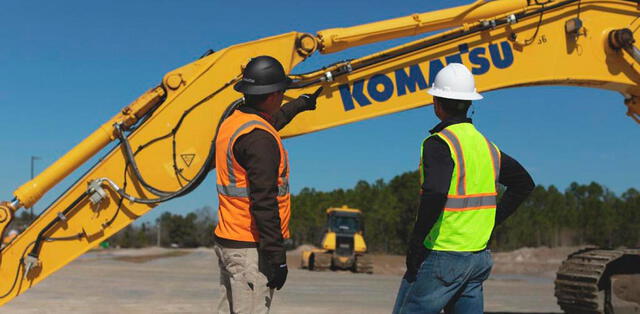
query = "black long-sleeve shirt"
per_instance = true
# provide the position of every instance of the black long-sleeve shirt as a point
(258, 153)
(438, 169)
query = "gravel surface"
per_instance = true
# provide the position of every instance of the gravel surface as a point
(163, 281)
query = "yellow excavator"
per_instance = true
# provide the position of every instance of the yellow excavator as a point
(506, 43)
(342, 246)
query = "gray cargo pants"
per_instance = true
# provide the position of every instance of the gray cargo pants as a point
(243, 288)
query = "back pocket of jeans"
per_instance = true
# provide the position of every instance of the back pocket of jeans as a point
(487, 266)
(449, 268)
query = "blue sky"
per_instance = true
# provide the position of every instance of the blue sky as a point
(69, 66)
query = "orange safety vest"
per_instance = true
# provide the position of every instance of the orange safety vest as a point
(235, 221)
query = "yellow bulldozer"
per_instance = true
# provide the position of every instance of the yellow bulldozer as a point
(342, 245)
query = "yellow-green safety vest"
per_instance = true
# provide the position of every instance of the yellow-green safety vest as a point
(468, 218)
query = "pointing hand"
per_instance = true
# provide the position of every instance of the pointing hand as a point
(310, 99)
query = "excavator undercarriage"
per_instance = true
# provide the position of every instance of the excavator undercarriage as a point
(586, 281)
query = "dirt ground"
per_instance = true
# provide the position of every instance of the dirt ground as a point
(156, 280)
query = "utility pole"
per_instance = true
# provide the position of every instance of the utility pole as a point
(33, 159)
(159, 232)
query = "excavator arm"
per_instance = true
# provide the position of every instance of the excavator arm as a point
(165, 138)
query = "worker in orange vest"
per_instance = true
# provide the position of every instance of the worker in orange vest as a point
(253, 189)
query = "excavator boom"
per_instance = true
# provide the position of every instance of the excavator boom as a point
(506, 43)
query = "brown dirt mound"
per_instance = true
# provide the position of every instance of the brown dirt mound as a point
(304, 247)
(541, 261)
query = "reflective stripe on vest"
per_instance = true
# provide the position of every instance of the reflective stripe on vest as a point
(232, 189)
(453, 141)
(470, 203)
(469, 214)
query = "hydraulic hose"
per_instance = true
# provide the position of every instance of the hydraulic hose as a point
(347, 67)
(126, 147)
(129, 156)
(36, 248)
(191, 185)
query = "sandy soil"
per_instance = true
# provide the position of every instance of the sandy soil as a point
(541, 262)
(159, 280)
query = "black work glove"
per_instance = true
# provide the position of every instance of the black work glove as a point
(277, 276)
(415, 256)
(310, 100)
(275, 267)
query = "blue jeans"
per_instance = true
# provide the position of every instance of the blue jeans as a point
(446, 280)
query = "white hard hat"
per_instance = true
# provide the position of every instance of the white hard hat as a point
(455, 81)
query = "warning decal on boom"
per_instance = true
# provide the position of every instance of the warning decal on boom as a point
(188, 158)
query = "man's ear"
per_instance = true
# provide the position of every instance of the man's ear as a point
(437, 108)
(272, 97)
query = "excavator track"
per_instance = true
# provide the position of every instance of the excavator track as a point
(583, 281)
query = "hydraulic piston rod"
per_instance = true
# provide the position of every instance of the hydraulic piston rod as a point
(337, 39)
(29, 193)
(623, 39)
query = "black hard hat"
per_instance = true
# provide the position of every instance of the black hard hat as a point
(263, 75)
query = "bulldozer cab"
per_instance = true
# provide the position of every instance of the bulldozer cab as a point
(345, 223)
(342, 222)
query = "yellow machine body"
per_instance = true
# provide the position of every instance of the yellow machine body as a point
(342, 246)
(506, 43)
(329, 242)
(329, 239)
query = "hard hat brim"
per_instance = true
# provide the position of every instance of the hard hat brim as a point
(454, 95)
(250, 89)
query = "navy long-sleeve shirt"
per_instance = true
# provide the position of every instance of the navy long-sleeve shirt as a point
(438, 169)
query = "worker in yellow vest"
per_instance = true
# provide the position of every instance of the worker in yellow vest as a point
(252, 170)
(460, 169)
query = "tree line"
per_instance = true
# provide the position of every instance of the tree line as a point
(581, 214)
(194, 229)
